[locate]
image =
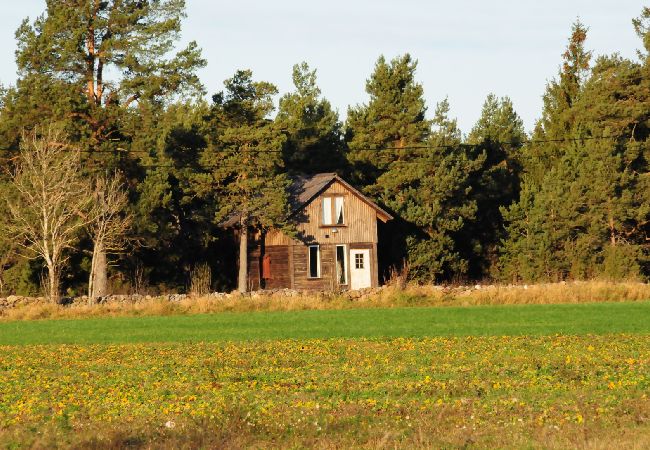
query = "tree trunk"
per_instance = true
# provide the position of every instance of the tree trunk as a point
(98, 280)
(53, 283)
(243, 256)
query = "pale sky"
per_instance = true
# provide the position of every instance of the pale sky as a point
(466, 48)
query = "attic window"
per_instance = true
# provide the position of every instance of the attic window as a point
(333, 211)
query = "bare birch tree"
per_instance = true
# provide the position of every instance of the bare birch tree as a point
(49, 205)
(107, 229)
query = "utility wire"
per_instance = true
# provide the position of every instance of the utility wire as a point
(230, 165)
(400, 148)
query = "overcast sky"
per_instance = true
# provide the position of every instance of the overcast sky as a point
(466, 48)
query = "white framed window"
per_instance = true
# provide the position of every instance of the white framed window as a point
(333, 210)
(341, 265)
(327, 210)
(313, 261)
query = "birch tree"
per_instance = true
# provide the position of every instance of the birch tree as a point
(109, 224)
(49, 203)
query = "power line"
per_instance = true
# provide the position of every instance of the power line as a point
(229, 165)
(408, 147)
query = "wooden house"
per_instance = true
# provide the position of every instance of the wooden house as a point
(336, 242)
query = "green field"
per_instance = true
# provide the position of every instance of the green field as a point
(546, 376)
(597, 318)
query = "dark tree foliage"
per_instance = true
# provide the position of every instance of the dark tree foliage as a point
(91, 66)
(498, 135)
(313, 130)
(244, 160)
(429, 189)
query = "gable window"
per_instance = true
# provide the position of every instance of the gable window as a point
(314, 261)
(333, 211)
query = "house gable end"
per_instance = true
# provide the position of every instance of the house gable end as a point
(315, 194)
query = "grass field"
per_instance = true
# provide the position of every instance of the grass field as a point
(536, 376)
(595, 318)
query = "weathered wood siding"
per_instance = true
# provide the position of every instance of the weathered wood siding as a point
(359, 217)
(254, 268)
(280, 270)
(301, 268)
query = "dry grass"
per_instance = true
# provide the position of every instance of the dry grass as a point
(432, 433)
(391, 296)
(551, 293)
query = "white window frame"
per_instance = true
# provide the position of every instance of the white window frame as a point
(345, 263)
(318, 273)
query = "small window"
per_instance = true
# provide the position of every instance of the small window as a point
(327, 210)
(314, 261)
(341, 267)
(358, 260)
(338, 205)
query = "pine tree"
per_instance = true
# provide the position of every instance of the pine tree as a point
(312, 128)
(558, 120)
(174, 207)
(393, 119)
(540, 225)
(245, 160)
(429, 190)
(499, 134)
(584, 211)
(613, 169)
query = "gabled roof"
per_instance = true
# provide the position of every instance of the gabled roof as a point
(305, 188)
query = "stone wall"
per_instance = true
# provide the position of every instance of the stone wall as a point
(15, 301)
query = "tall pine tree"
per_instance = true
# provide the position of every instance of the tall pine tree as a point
(244, 160)
(584, 209)
(499, 134)
(392, 120)
(313, 130)
(88, 63)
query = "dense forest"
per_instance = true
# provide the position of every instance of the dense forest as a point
(104, 91)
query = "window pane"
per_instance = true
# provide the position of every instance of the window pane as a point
(327, 210)
(338, 203)
(341, 272)
(358, 260)
(313, 262)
